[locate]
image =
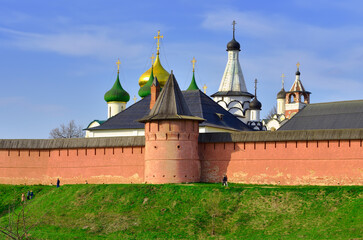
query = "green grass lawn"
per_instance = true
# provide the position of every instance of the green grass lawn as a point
(188, 211)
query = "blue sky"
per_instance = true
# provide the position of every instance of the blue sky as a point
(57, 58)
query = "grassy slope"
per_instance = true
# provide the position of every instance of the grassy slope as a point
(193, 211)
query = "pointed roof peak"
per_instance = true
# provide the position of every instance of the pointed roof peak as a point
(193, 84)
(170, 104)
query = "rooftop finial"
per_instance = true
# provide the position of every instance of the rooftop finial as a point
(152, 59)
(255, 87)
(298, 65)
(158, 43)
(283, 80)
(205, 89)
(234, 27)
(135, 98)
(118, 65)
(194, 61)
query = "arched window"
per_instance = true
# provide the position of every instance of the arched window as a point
(291, 98)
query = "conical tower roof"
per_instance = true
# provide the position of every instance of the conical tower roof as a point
(170, 104)
(117, 93)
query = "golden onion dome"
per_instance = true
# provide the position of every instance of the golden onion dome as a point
(159, 72)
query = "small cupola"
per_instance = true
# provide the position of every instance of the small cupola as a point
(233, 44)
(117, 93)
(255, 104)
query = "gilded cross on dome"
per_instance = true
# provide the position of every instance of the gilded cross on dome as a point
(205, 89)
(194, 61)
(158, 43)
(152, 59)
(135, 98)
(118, 65)
(283, 80)
(234, 26)
(297, 65)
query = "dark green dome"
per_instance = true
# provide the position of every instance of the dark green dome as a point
(193, 85)
(117, 93)
(146, 89)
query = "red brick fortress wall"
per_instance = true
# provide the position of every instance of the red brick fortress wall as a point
(96, 165)
(299, 162)
(317, 157)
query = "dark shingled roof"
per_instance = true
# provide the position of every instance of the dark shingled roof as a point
(199, 104)
(331, 115)
(282, 136)
(170, 104)
(232, 93)
(260, 136)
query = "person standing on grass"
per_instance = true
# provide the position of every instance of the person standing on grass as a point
(22, 197)
(28, 195)
(58, 183)
(31, 194)
(225, 180)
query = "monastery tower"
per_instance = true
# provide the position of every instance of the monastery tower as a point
(297, 98)
(232, 93)
(171, 138)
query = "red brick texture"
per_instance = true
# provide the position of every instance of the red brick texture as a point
(173, 155)
(72, 166)
(338, 162)
(172, 151)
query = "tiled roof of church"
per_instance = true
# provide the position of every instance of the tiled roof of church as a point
(198, 103)
(330, 115)
(170, 104)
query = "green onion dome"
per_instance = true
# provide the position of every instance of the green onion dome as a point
(193, 85)
(146, 89)
(117, 93)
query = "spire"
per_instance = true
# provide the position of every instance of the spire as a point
(117, 93)
(233, 44)
(234, 27)
(297, 86)
(283, 80)
(297, 66)
(158, 42)
(159, 71)
(170, 104)
(193, 85)
(205, 89)
(255, 104)
(255, 87)
(282, 93)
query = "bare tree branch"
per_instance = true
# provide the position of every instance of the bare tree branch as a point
(71, 130)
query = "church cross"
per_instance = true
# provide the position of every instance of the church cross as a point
(234, 26)
(283, 80)
(297, 65)
(152, 59)
(135, 98)
(158, 43)
(194, 61)
(255, 87)
(118, 65)
(205, 89)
